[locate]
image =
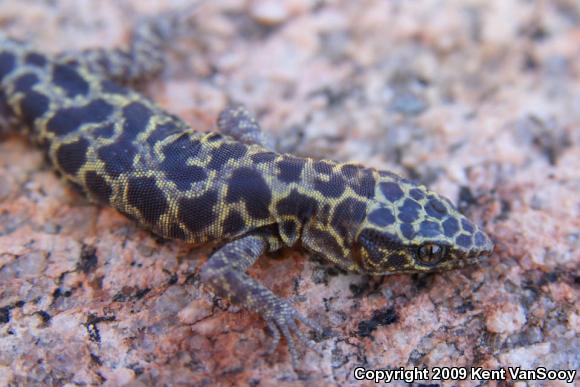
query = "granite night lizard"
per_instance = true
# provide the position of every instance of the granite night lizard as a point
(123, 150)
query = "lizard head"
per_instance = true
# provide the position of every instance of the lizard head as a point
(408, 228)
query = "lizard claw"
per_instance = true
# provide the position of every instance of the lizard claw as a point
(283, 323)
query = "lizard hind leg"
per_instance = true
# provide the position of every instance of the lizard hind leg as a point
(225, 274)
(144, 58)
(237, 122)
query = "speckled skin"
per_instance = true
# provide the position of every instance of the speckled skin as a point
(120, 149)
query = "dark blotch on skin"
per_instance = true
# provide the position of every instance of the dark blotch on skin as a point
(68, 120)
(248, 185)
(323, 167)
(183, 175)
(289, 229)
(35, 59)
(349, 170)
(409, 211)
(438, 205)
(213, 137)
(417, 194)
(467, 226)
(225, 152)
(392, 191)
(104, 131)
(375, 254)
(233, 223)
(392, 237)
(118, 157)
(397, 261)
(407, 230)
(136, 117)
(175, 163)
(163, 131)
(382, 238)
(33, 106)
(429, 229)
(98, 186)
(25, 82)
(364, 185)
(71, 157)
(463, 240)
(347, 216)
(112, 87)
(263, 157)
(182, 148)
(382, 217)
(435, 208)
(68, 79)
(290, 169)
(298, 205)
(479, 238)
(450, 227)
(7, 63)
(332, 188)
(198, 213)
(145, 196)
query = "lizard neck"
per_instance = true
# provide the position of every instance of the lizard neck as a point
(322, 204)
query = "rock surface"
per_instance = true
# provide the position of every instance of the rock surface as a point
(480, 100)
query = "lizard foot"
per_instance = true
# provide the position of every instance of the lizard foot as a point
(283, 323)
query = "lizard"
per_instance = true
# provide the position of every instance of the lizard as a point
(122, 150)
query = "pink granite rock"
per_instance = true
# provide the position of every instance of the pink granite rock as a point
(479, 99)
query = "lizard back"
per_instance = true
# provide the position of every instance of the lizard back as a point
(121, 149)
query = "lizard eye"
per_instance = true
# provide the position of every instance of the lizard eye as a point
(430, 254)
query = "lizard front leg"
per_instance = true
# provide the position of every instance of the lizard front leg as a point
(237, 122)
(225, 274)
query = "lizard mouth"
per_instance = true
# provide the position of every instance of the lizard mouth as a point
(473, 259)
